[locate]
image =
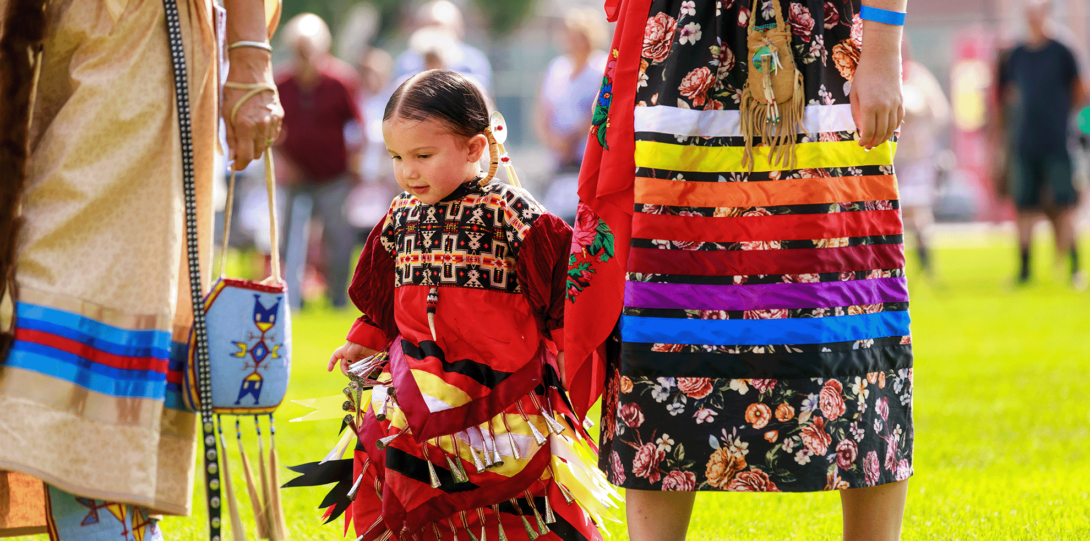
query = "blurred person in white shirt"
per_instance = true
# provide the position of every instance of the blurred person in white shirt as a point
(566, 102)
(927, 112)
(443, 17)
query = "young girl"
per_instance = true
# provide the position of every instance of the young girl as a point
(467, 434)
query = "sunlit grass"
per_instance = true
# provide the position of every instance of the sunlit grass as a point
(1002, 398)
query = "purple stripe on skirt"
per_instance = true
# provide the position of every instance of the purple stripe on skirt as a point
(765, 296)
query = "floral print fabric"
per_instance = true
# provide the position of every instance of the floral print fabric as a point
(700, 413)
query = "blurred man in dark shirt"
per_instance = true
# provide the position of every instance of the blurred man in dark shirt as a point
(318, 93)
(1044, 75)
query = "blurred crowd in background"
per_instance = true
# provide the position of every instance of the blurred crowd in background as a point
(541, 63)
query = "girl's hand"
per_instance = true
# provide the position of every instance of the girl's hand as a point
(560, 368)
(877, 104)
(347, 354)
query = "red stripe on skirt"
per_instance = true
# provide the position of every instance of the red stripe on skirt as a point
(767, 228)
(757, 262)
(85, 351)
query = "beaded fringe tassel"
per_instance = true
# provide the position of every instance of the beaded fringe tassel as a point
(238, 530)
(260, 522)
(278, 527)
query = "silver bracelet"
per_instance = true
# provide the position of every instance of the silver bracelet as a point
(254, 44)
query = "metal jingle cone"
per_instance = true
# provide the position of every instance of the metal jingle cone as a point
(380, 415)
(432, 475)
(538, 436)
(499, 523)
(382, 442)
(457, 447)
(484, 533)
(477, 463)
(525, 523)
(492, 457)
(486, 456)
(541, 527)
(564, 492)
(550, 420)
(497, 459)
(529, 530)
(554, 426)
(515, 452)
(453, 530)
(550, 517)
(456, 471)
(465, 524)
(355, 488)
(350, 420)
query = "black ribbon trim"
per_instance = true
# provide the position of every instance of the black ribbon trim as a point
(479, 372)
(562, 528)
(417, 469)
(856, 362)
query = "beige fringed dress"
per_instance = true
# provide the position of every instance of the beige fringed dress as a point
(89, 392)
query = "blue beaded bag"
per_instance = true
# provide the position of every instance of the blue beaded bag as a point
(239, 358)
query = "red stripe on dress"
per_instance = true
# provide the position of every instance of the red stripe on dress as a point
(90, 353)
(767, 228)
(757, 262)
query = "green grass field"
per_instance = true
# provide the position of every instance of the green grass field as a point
(1002, 402)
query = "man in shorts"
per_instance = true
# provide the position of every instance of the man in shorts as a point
(1044, 75)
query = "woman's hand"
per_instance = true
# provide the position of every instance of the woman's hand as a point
(560, 368)
(877, 104)
(257, 123)
(347, 354)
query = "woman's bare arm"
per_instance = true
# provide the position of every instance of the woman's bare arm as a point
(877, 104)
(257, 122)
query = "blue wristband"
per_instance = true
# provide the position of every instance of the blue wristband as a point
(879, 15)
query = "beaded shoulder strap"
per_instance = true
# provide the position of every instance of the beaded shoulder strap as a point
(204, 382)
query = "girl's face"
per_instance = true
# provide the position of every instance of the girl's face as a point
(430, 162)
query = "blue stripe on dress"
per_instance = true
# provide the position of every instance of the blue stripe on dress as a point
(85, 373)
(760, 332)
(115, 340)
(179, 358)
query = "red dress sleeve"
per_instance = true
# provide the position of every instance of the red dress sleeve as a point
(372, 291)
(543, 273)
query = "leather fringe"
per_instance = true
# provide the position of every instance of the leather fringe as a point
(278, 527)
(238, 530)
(782, 135)
(255, 501)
